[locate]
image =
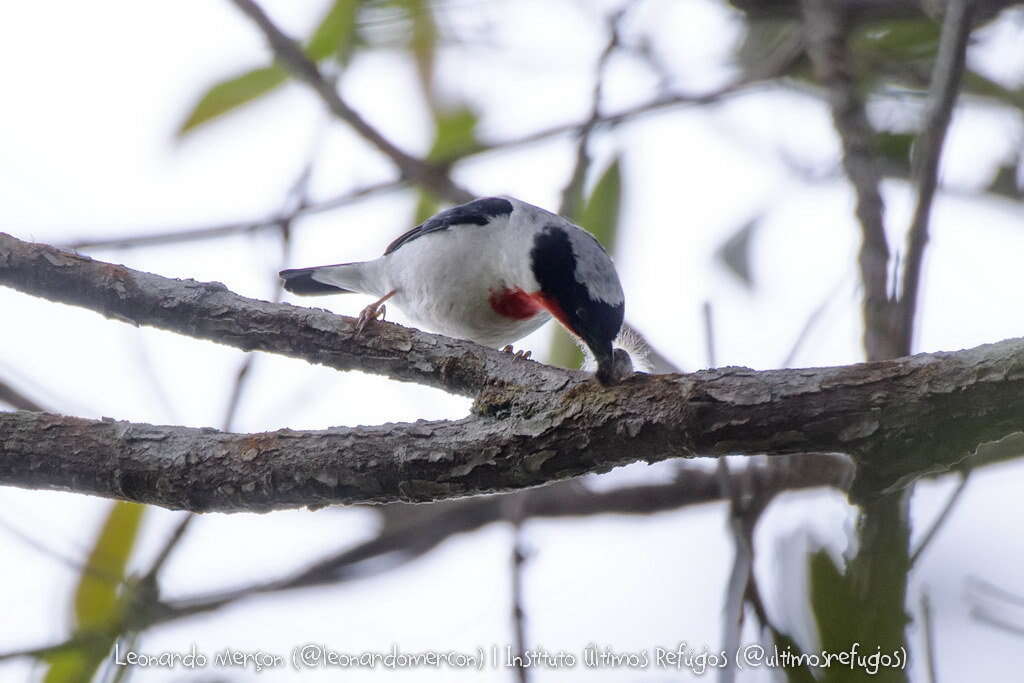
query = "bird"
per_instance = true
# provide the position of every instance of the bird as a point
(492, 271)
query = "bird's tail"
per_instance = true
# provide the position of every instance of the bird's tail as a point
(339, 278)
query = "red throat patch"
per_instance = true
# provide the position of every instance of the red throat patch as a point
(520, 305)
(552, 307)
(515, 304)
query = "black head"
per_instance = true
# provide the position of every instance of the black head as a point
(583, 307)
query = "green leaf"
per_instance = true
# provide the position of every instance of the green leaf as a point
(426, 206)
(901, 39)
(422, 41)
(982, 86)
(96, 597)
(336, 33)
(232, 93)
(763, 40)
(97, 601)
(894, 150)
(1004, 182)
(834, 603)
(794, 673)
(599, 215)
(565, 352)
(454, 134)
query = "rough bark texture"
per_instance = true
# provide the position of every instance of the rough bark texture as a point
(924, 413)
(207, 310)
(531, 424)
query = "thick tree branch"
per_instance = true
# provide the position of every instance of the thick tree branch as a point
(532, 423)
(207, 310)
(937, 407)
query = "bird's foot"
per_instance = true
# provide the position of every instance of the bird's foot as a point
(522, 353)
(375, 311)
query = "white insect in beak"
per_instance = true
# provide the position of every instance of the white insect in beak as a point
(629, 356)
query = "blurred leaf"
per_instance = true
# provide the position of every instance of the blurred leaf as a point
(1004, 183)
(735, 252)
(834, 603)
(336, 33)
(565, 352)
(96, 597)
(232, 93)
(794, 674)
(599, 215)
(426, 206)
(97, 600)
(982, 86)
(454, 134)
(894, 150)
(422, 41)
(763, 39)
(900, 39)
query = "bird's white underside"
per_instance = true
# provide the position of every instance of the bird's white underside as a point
(444, 280)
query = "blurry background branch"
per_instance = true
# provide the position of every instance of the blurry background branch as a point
(288, 52)
(883, 560)
(17, 399)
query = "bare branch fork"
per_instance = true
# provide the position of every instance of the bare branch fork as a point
(531, 423)
(948, 72)
(291, 56)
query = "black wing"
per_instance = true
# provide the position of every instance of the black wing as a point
(476, 212)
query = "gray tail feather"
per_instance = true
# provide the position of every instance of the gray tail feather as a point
(300, 281)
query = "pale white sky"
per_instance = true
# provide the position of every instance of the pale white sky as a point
(92, 96)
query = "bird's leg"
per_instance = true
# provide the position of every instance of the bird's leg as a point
(374, 311)
(523, 354)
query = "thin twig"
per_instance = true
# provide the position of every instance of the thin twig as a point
(983, 587)
(520, 554)
(736, 586)
(929, 638)
(985, 616)
(572, 194)
(17, 399)
(949, 68)
(746, 503)
(653, 105)
(942, 517)
(178, 235)
(169, 545)
(296, 197)
(291, 56)
(810, 323)
(72, 563)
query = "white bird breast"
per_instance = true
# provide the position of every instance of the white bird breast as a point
(445, 280)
